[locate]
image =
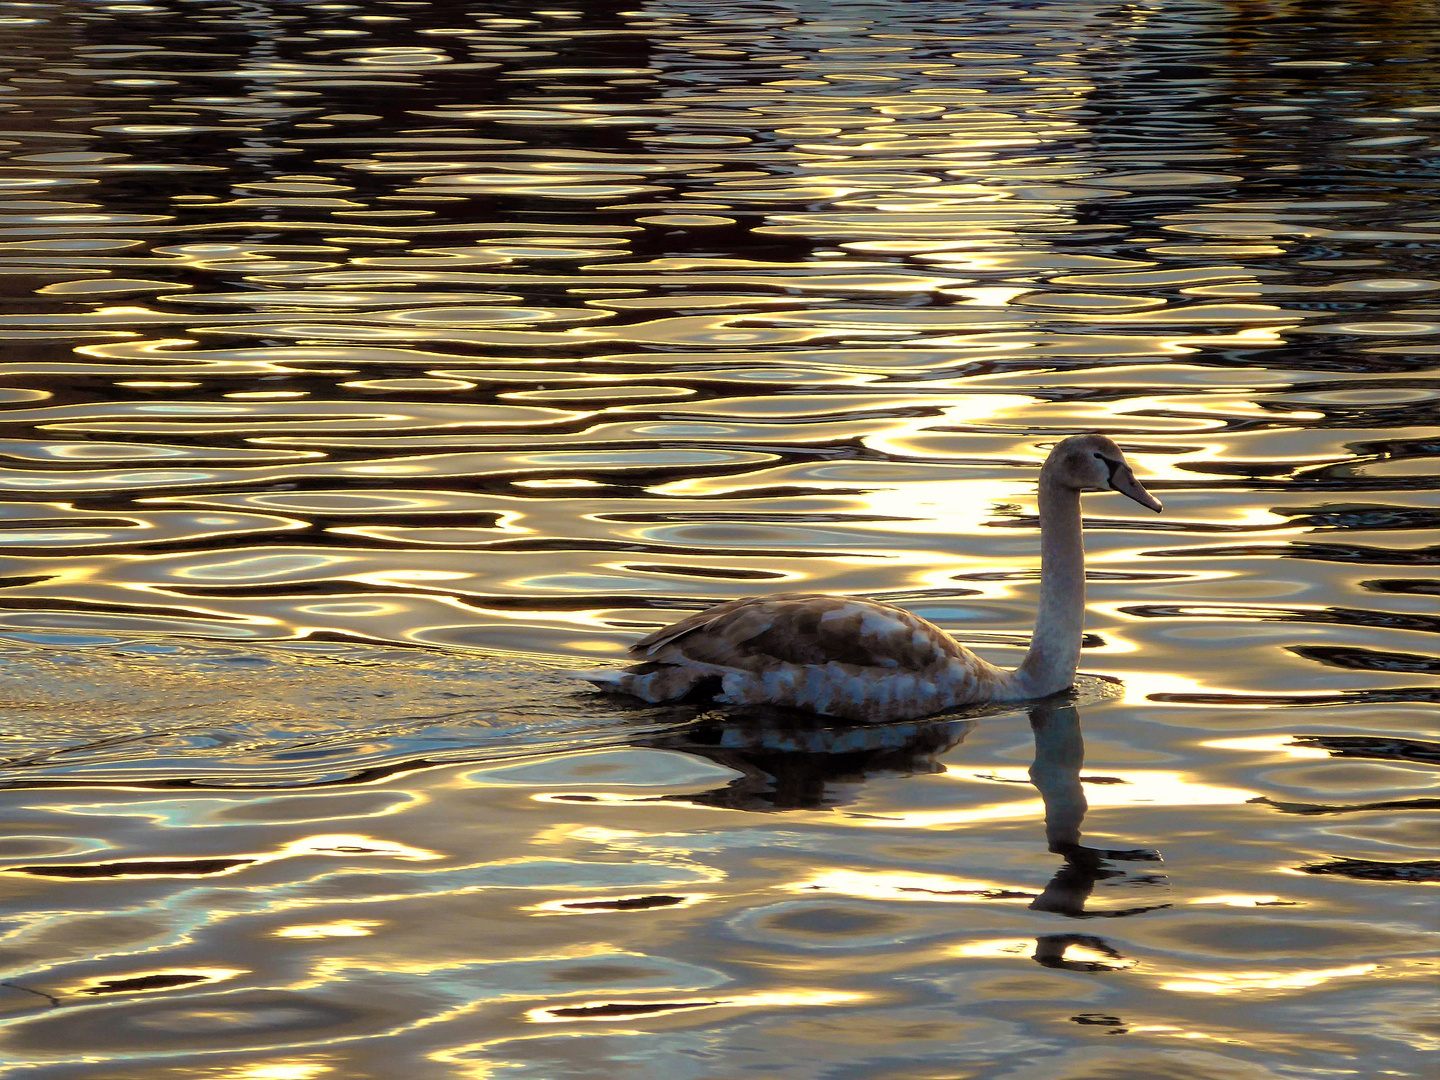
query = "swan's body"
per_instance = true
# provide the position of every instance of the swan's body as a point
(862, 660)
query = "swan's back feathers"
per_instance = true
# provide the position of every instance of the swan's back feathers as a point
(830, 654)
(804, 629)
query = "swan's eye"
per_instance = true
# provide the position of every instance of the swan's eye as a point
(1111, 465)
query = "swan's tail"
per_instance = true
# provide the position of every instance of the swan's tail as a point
(649, 681)
(602, 678)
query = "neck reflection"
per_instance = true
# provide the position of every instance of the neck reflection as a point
(788, 761)
(1059, 756)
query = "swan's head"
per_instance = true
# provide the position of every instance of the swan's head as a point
(1095, 463)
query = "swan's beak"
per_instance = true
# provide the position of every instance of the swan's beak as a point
(1123, 480)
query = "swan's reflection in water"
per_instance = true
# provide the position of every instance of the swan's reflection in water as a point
(1055, 772)
(795, 761)
(1059, 756)
(791, 761)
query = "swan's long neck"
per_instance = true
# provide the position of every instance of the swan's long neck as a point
(1054, 653)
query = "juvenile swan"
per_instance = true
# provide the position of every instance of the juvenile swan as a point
(862, 660)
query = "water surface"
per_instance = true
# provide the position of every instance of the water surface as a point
(366, 365)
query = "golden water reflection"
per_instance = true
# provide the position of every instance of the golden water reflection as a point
(454, 951)
(365, 365)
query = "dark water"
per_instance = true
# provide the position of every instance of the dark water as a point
(366, 364)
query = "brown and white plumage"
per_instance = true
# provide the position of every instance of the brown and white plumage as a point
(856, 659)
(862, 660)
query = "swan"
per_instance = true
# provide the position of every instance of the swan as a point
(862, 660)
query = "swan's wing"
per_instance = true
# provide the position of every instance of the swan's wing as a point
(801, 629)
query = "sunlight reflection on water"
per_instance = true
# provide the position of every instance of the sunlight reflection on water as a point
(366, 365)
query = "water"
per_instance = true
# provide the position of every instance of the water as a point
(367, 364)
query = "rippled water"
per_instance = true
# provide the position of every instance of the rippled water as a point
(367, 364)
